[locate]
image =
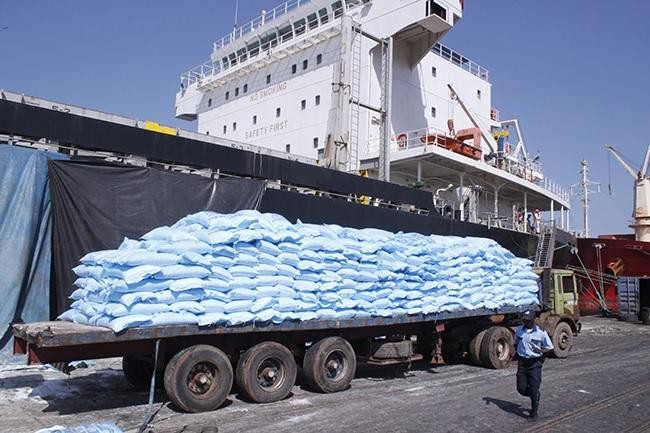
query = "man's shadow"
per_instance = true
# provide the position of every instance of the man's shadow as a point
(507, 406)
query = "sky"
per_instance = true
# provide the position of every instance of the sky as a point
(576, 73)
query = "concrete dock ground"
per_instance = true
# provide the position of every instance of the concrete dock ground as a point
(603, 386)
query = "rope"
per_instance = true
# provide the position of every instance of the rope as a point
(600, 299)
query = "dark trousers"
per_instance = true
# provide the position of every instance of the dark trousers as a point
(529, 379)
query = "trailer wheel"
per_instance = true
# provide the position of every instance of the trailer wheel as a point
(266, 372)
(562, 340)
(475, 348)
(497, 347)
(198, 378)
(329, 365)
(137, 372)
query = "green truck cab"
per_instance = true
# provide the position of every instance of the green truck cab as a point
(560, 315)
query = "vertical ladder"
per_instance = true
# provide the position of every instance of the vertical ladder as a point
(355, 95)
(545, 247)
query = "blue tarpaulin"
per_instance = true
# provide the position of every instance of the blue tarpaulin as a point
(25, 238)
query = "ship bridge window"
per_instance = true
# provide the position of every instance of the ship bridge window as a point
(253, 47)
(294, 68)
(278, 112)
(268, 79)
(319, 59)
(299, 26)
(433, 8)
(312, 20)
(269, 40)
(337, 8)
(324, 16)
(317, 100)
(305, 64)
(232, 58)
(303, 104)
(285, 33)
(242, 55)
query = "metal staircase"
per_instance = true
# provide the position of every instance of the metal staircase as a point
(545, 246)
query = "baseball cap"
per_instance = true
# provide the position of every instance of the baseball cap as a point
(528, 315)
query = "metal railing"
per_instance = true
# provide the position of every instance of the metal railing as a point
(264, 18)
(461, 61)
(212, 69)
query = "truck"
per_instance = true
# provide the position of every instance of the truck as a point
(198, 366)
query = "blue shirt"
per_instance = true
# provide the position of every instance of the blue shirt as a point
(526, 339)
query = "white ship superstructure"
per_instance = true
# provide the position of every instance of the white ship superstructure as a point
(367, 87)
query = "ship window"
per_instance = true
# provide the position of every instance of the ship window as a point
(299, 26)
(254, 120)
(434, 71)
(312, 20)
(294, 68)
(303, 104)
(268, 79)
(317, 100)
(278, 111)
(305, 63)
(478, 94)
(225, 129)
(287, 148)
(245, 88)
(236, 91)
(234, 126)
(227, 95)
(337, 7)
(433, 8)
(315, 142)
(319, 59)
(324, 17)
(320, 154)
(210, 102)
(433, 111)
(207, 132)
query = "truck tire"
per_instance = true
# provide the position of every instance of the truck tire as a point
(474, 348)
(266, 372)
(497, 347)
(562, 340)
(329, 365)
(137, 372)
(198, 378)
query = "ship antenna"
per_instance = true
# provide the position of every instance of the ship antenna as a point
(234, 27)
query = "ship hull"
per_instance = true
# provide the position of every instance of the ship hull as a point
(616, 257)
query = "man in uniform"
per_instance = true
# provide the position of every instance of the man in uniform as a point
(532, 342)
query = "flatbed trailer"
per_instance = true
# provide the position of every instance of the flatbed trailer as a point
(197, 364)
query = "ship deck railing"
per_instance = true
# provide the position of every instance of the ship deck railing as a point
(461, 61)
(318, 28)
(529, 170)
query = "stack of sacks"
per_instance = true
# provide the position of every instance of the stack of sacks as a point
(216, 269)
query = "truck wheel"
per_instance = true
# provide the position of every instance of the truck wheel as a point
(198, 378)
(475, 348)
(329, 365)
(497, 347)
(562, 340)
(137, 372)
(266, 372)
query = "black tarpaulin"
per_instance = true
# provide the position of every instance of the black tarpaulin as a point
(96, 205)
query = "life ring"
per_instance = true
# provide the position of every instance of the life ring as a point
(402, 141)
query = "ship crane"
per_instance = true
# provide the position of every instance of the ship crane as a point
(641, 212)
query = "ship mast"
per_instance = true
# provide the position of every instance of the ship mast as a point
(583, 189)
